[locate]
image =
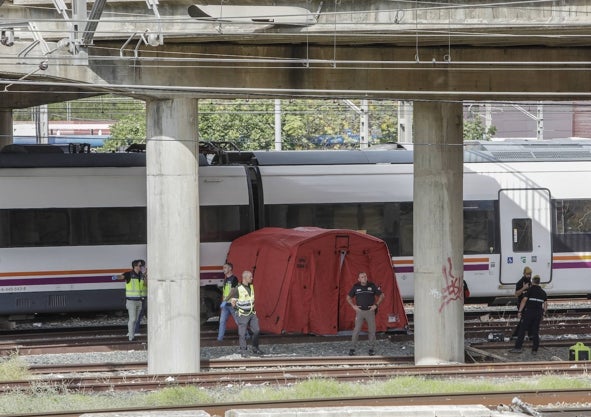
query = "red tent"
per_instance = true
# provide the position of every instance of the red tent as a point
(302, 277)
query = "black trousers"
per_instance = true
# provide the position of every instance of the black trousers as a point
(530, 323)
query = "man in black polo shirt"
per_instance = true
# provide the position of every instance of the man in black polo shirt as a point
(532, 308)
(365, 307)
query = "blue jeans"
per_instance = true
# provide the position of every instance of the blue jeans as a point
(141, 314)
(226, 310)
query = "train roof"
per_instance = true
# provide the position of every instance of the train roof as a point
(528, 150)
(348, 157)
(50, 156)
(39, 156)
(474, 151)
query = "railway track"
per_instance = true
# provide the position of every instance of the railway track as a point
(234, 364)
(112, 339)
(285, 371)
(538, 399)
(271, 370)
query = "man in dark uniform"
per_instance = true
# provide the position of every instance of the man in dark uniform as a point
(365, 307)
(521, 288)
(532, 308)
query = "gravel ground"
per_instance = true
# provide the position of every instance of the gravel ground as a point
(387, 345)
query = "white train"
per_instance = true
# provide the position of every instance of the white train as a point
(68, 222)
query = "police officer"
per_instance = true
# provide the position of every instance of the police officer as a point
(365, 307)
(521, 288)
(532, 308)
(242, 298)
(135, 288)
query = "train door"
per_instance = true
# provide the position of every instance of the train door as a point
(526, 233)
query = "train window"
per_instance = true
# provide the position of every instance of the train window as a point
(572, 226)
(223, 223)
(39, 227)
(391, 222)
(109, 226)
(404, 220)
(522, 235)
(574, 216)
(479, 219)
(4, 228)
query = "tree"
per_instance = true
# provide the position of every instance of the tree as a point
(129, 129)
(474, 129)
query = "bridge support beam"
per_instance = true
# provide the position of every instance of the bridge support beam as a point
(173, 236)
(6, 127)
(438, 233)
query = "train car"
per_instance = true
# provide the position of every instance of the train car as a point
(68, 222)
(525, 203)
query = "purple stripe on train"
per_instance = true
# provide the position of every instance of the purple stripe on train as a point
(56, 280)
(467, 267)
(78, 280)
(570, 265)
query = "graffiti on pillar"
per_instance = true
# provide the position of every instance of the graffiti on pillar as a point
(453, 289)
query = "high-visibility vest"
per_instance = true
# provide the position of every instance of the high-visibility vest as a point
(245, 302)
(136, 287)
(227, 288)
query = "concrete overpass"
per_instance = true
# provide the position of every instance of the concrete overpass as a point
(357, 49)
(173, 53)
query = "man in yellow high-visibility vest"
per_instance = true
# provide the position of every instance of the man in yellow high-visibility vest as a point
(242, 299)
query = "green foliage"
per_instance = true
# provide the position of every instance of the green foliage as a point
(384, 114)
(129, 129)
(474, 129)
(13, 368)
(250, 124)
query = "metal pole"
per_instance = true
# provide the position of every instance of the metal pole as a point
(278, 140)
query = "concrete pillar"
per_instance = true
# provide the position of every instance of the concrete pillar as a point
(173, 236)
(42, 124)
(5, 127)
(438, 234)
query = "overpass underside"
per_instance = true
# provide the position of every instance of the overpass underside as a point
(371, 49)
